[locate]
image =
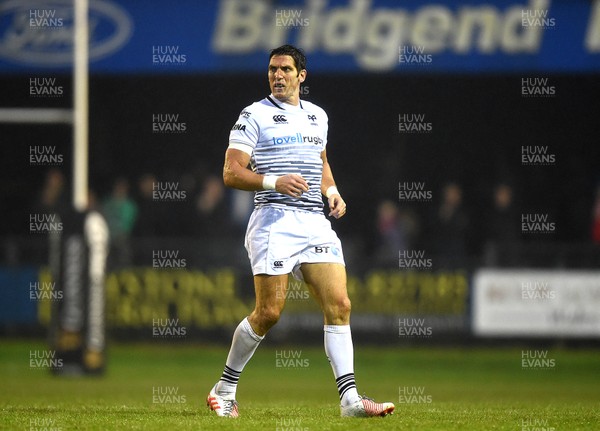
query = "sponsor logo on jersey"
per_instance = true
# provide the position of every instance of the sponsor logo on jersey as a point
(279, 119)
(245, 114)
(297, 138)
(241, 127)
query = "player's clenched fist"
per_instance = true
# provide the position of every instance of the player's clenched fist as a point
(292, 185)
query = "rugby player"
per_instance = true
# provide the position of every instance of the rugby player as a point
(283, 140)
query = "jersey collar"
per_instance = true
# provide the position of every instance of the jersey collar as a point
(284, 106)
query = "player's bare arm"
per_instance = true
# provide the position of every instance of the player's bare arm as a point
(237, 175)
(337, 205)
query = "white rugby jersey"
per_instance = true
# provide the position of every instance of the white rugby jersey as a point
(284, 139)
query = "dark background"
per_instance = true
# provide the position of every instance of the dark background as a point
(479, 125)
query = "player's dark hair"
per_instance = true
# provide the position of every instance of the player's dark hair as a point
(292, 51)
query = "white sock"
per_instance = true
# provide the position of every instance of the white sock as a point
(244, 344)
(340, 352)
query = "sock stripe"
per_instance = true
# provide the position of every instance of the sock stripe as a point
(232, 379)
(345, 376)
(345, 383)
(346, 390)
(232, 371)
(230, 375)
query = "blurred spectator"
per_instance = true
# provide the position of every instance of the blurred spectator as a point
(242, 205)
(93, 204)
(211, 208)
(52, 197)
(148, 222)
(449, 230)
(395, 230)
(596, 218)
(502, 227)
(120, 212)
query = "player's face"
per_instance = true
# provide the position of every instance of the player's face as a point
(284, 78)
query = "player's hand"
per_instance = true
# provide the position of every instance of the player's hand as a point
(292, 185)
(337, 206)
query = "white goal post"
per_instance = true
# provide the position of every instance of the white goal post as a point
(78, 117)
(80, 106)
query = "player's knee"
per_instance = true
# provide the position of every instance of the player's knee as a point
(269, 316)
(344, 306)
(340, 309)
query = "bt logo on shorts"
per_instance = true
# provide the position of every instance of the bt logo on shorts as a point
(278, 264)
(333, 250)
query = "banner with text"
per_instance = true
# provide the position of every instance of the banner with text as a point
(191, 36)
(536, 303)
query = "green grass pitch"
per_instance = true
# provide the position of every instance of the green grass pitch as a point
(157, 386)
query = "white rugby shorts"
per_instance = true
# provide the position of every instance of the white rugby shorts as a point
(279, 240)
